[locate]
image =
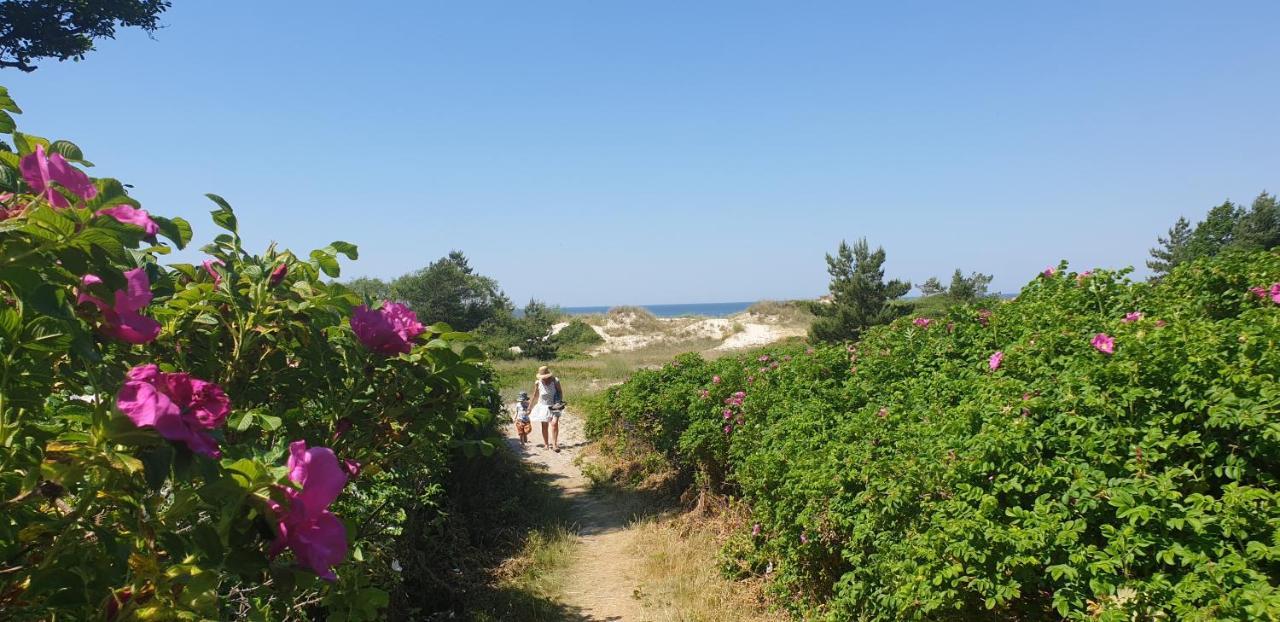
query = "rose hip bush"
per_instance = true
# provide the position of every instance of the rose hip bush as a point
(1093, 449)
(239, 439)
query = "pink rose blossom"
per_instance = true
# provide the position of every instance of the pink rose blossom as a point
(1132, 316)
(764, 358)
(179, 407)
(121, 319)
(1104, 343)
(715, 380)
(307, 527)
(1049, 272)
(1275, 293)
(755, 529)
(922, 322)
(388, 330)
(995, 360)
(351, 466)
(984, 316)
(728, 414)
(209, 267)
(130, 215)
(804, 538)
(728, 429)
(704, 394)
(41, 172)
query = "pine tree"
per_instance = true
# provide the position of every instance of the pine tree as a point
(1259, 228)
(860, 297)
(1171, 250)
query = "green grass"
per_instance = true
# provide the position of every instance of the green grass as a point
(587, 376)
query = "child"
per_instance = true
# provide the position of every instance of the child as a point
(523, 426)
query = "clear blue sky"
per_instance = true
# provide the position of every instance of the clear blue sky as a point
(659, 152)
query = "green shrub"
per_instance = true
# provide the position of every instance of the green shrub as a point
(577, 336)
(903, 478)
(157, 422)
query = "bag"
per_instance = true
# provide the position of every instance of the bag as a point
(557, 401)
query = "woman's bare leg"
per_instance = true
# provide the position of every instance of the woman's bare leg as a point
(555, 432)
(544, 434)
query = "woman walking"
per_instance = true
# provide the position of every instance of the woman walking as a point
(548, 403)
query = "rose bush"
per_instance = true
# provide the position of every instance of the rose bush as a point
(204, 441)
(1094, 449)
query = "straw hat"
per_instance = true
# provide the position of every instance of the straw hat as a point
(544, 372)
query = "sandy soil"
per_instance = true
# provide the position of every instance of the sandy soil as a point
(600, 584)
(744, 330)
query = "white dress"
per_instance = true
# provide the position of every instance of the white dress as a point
(546, 393)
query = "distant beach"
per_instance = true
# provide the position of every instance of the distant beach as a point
(709, 309)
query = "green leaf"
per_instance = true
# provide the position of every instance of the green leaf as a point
(344, 248)
(224, 216)
(178, 230)
(66, 149)
(327, 263)
(7, 124)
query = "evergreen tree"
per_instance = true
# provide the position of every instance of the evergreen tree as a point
(860, 297)
(932, 287)
(1259, 228)
(968, 289)
(1171, 250)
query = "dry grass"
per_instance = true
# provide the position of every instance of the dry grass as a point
(783, 311)
(679, 577)
(539, 568)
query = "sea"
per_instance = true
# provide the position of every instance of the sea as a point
(706, 309)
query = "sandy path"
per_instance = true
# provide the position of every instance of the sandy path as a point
(599, 584)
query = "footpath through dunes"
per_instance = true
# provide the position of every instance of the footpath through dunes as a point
(600, 584)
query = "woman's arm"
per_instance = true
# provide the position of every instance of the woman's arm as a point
(559, 390)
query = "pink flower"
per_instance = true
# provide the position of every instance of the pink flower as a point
(728, 429)
(277, 275)
(129, 215)
(922, 322)
(209, 267)
(1260, 292)
(1049, 272)
(1132, 316)
(755, 529)
(995, 360)
(1263, 292)
(715, 380)
(1104, 343)
(764, 358)
(728, 414)
(351, 466)
(1160, 323)
(703, 393)
(42, 172)
(9, 208)
(1083, 275)
(984, 316)
(739, 394)
(307, 527)
(388, 330)
(179, 407)
(1275, 293)
(804, 538)
(122, 320)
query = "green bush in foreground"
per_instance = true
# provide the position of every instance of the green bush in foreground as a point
(1094, 449)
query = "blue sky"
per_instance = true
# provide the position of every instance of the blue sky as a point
(660, 152)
